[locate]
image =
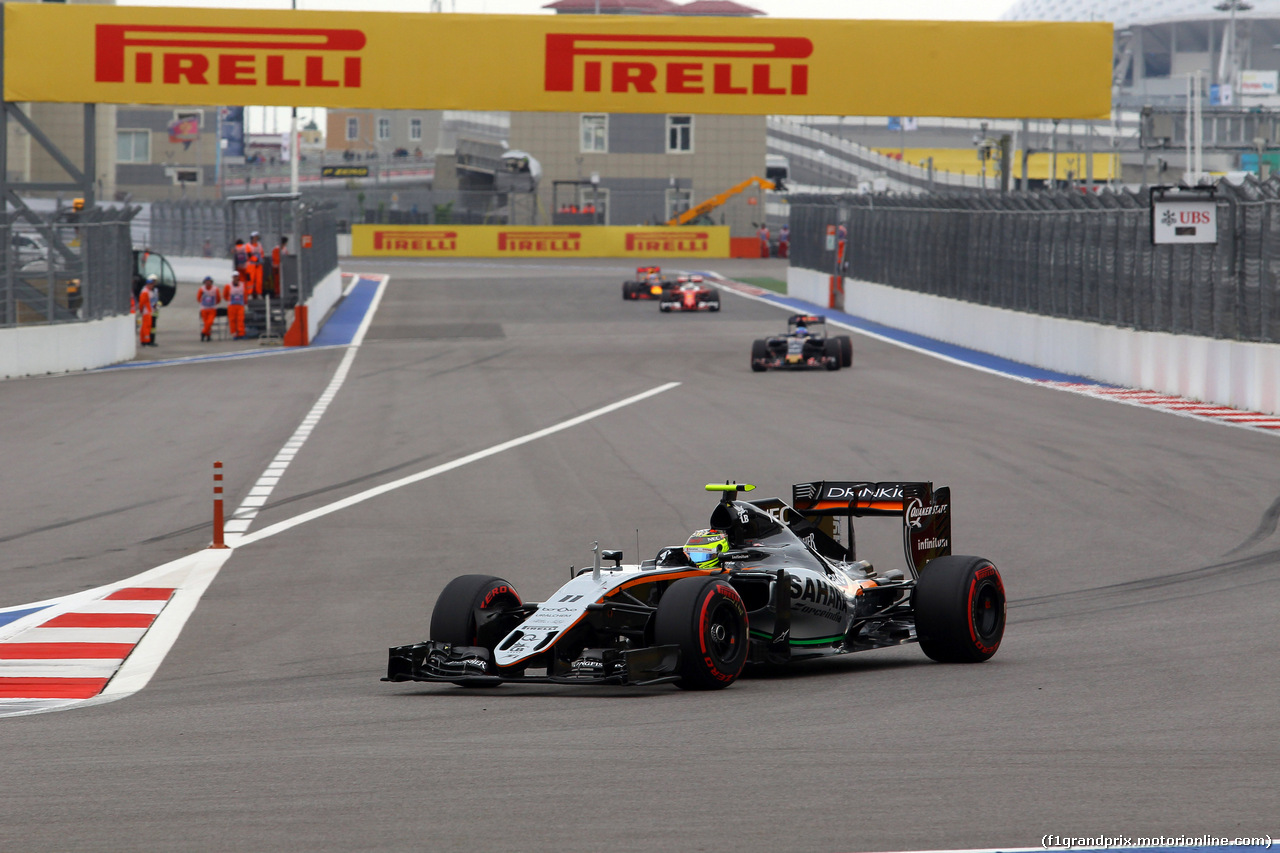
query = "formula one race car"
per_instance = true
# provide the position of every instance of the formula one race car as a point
(648, 284)
(692, 295)
(769, 583)
(804, 345)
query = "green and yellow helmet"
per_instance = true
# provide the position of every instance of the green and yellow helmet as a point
(705, 547)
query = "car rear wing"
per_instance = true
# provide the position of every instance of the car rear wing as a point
(924, 510)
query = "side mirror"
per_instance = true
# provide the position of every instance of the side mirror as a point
(616, 556)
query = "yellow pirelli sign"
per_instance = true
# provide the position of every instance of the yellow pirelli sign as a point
(528, 241)
(607, 63)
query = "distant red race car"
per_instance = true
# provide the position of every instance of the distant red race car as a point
(692, 295)
(648, 284)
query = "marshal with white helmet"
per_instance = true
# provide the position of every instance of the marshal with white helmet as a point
(766, 583)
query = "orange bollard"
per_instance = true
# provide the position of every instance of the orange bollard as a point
(218, 541)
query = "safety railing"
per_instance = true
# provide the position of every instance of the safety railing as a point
(1075, 255)
(71, 267)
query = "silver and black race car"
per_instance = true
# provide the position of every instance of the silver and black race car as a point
(693, 294)
(790, 587)
(804, 345)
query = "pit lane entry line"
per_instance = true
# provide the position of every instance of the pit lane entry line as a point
(368, 291)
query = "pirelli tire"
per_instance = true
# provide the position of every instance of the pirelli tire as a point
(714, 301)
(959, 609)
(834, 354)
(470, 611)
(846, 350)
(706, 618)
(664, 307)
(759, 352)
(629, 290)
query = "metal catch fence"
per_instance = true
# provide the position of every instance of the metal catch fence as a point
(73, 267)
(1081, 256)
(210, 229)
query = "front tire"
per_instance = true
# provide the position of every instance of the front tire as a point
(706, 618)
(759, 352)
(960, 609)
(470, 611)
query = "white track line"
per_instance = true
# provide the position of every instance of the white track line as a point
(836, 321)
(288, 524)
(261, 491)
(1255, 422)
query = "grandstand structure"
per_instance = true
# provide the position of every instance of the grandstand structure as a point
(1234, 45)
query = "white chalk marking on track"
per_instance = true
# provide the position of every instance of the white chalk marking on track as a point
(258, 495)
(287, 524)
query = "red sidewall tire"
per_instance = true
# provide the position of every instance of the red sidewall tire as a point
(459, 614)
(960, 609)
(707, 619)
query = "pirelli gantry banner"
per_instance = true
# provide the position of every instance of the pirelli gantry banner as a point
(608, 63)
(528, 241)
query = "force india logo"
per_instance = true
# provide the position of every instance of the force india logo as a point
(415, 241)
(539, 241)
(656, 242)
(228, 56)
(677, 65)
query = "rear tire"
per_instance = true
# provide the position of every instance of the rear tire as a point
(759, 350)
(960, 609)
(469, 611)
(706, 618)
(846, 350)
(834, 354)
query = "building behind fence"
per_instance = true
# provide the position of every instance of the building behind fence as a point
(1080, 256)
(70, 267)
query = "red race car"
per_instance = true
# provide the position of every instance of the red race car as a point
(692, 295)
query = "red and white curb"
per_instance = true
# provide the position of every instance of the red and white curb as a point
(103, 644)
(1174, 405)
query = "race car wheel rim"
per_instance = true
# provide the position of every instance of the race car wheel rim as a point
(723, 631)
(988, 608)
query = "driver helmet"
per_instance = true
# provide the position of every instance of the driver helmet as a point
(705, 547)
(801, 332)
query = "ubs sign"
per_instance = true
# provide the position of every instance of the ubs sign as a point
(1183, 220)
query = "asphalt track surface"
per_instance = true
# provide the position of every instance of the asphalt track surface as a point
(1135, 693)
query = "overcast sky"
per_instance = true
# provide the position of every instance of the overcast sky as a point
(263, 120)
(977, 10)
